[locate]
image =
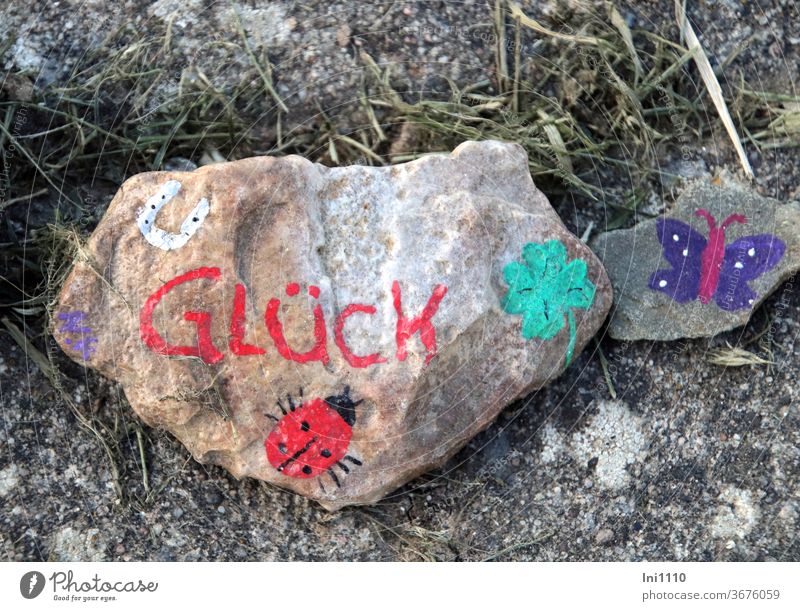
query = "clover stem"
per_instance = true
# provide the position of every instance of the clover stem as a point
(571, 344)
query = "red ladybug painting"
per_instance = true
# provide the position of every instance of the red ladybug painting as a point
(313, 437)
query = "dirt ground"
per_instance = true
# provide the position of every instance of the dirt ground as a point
(690, 461)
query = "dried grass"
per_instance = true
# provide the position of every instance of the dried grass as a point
(734, 356)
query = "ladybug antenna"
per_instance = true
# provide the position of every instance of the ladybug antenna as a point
(344, 405)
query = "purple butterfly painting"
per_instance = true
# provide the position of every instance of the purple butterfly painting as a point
(706, 268)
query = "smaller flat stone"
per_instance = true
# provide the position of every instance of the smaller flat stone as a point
(696, 274)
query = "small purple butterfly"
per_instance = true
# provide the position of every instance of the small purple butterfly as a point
(705, 268)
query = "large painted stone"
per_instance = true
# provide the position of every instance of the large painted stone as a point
(336, 331)
(703, 267)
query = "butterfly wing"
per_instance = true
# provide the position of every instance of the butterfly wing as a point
(683, 248)
(746, 259)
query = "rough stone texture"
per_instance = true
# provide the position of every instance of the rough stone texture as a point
(455, 221)
(632, 256)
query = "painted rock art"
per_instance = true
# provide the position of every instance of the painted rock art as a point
(544, 290)
(705, 268)
(335, 331)
(312, 438)
(146, 218)
(75, 335)
(726, 247)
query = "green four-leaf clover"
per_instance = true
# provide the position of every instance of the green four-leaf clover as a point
(545, 288)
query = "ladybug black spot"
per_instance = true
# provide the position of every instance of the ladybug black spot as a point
(307, 470)
(326, 453)
(304, 426)
(282, 448)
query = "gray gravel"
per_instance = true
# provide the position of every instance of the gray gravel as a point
(690, 462)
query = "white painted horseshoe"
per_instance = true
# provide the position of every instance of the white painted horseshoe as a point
(164, 240)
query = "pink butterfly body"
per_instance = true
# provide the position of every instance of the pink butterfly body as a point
(714, 253)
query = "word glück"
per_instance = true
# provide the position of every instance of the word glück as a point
(205, 349)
